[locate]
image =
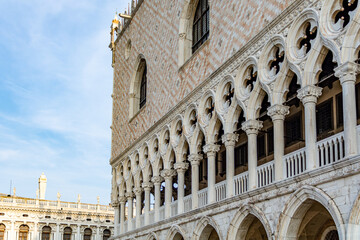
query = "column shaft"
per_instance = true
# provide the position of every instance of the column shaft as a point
(122, 216)
(211, 150)
(130, 213)
(195, 162)
(308, 95)
(229, 140)
(138, 208)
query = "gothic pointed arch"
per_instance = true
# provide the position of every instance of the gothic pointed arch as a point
(175, 233)
(307, 200)
(138, 86)
(206, 229)
(152, 236)
(249, 220)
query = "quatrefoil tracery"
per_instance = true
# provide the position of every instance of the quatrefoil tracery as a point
(179, 129)
(229, 95)
(251, 79)
(193, 119)
(210, 107)
(275, 63)
(344, 13)
(305, 41)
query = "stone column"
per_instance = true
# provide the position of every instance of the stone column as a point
(347, 75)
(308, 96)
(122, 201)
(138, 192)
(130, 197)
(78, 232)
(115, 205)
(98, 233)
(277, 113)
(168, 174)
(211, 150)
(147, 186)
(157, 180)
(194, 160)
(252, 127)
(57, 234)
(181, 168)
(229, 140)
(36, 232)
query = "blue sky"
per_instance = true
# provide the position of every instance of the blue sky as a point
(55, 97)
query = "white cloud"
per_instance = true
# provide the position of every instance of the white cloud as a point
(60, 82)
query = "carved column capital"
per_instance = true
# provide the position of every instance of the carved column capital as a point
(252, 126)
(278, 112)
(211, 149)
(157, 180)
(309, 93)
(147, 186)
(195, 159)
(115, 204)
(138, 191)
(129, 196)
(168, 173)
(347, 72)
(229, 139)
(181, 166)
(122, 199)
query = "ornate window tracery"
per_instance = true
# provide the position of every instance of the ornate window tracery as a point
(347, 6)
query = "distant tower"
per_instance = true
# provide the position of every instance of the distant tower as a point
(42, 186)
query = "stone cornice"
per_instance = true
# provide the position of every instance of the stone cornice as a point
(276, 26)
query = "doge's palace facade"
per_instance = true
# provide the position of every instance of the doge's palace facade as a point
(236, 120)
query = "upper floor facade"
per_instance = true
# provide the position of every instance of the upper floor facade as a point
(161, 34)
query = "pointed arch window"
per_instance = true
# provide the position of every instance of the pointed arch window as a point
(201, 24)
(143, 84)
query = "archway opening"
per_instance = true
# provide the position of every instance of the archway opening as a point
(2, 231)
(178, 237)
(209, 233)
(251, 229)
(312, 221)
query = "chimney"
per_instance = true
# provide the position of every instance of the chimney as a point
(42, 186)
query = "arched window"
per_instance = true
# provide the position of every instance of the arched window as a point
(138, 87)
(200, 24)
(143, 83)
(46, 231)
(2, 231)
(67, 233)
(106, 234)
(23, 232)
(87, 234)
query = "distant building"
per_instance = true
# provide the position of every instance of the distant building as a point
(236, 119)
(40, 219)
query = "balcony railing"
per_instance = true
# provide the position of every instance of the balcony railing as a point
(220, 191)
(241, 183)
(295, 163)
(203, 197)
(330, 150)
(188, 203)
(30, 202)
(265, 174)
